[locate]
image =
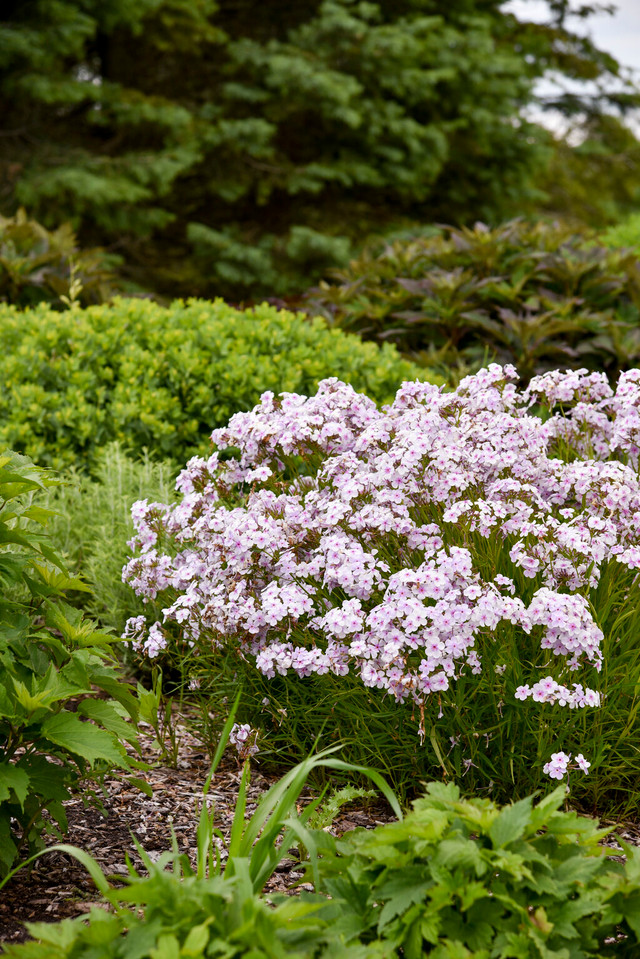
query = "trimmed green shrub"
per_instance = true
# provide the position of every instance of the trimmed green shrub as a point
(624, 234)
(537, 296)
(54, 730)
(163, 378)
(39, 265)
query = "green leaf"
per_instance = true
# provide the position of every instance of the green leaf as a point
(168, 947)
(8, 848)
(105, 714)
(196, 941)
(511, 823)
(401, 891)
(13, 778)
(82, 738)
(46, 779)
(460, 854)
(142, 785)
(27, 700)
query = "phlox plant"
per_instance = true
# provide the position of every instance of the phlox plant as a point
(448, 585)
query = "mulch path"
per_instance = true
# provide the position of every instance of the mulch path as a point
(58, 887)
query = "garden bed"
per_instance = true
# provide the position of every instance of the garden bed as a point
(59, 887)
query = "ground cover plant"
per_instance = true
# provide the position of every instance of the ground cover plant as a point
(448, 585)
(63, 705)
(463, 878)
(537, 295)
(159, 378)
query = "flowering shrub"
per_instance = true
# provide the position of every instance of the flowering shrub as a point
(471, 555)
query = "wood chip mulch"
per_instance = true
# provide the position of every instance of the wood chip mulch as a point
(58, 887)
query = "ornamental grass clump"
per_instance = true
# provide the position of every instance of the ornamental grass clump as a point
(448, 585)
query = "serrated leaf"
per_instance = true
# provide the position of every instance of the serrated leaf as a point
(402, 891)
(511, 823)
(39, 514)
(13, 778)
(82, 738)
(7, 705)
(460, 853)
(104, 714)
(8, 848)
(29, 702)
(13, 536)
(142, 785)
(46, 779)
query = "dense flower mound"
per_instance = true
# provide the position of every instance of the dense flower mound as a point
(345, 539)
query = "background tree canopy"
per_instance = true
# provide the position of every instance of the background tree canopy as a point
(242, 147)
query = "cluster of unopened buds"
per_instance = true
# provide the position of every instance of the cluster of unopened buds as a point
(364, 564)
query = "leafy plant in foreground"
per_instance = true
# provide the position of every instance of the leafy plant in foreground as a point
(463, 879)
(207, 910)
(54, 730)
(454, 879)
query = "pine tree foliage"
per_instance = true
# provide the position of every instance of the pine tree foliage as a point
(239, 147)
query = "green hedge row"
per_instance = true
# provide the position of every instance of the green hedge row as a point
(163, 378)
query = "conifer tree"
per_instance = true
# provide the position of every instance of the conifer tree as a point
(239, 147)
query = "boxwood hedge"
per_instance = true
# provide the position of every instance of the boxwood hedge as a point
(162, 378)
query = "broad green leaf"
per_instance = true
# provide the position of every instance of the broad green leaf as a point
(105, 678)
(8, 706)
(460, 854)
(46, 779)
(142, 785)
(511, 823)
(168, 947)
(8, 849)
(103, 713)
(13, 778)
(197, 939)
(82, 738)
(14, 536)
(39, 514)
(401, 891)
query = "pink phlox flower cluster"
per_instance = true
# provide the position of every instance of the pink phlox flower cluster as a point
(602, 423)
(366, 563)
(148, 641)
(547, 690)
(244, 738)
(560, 764)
